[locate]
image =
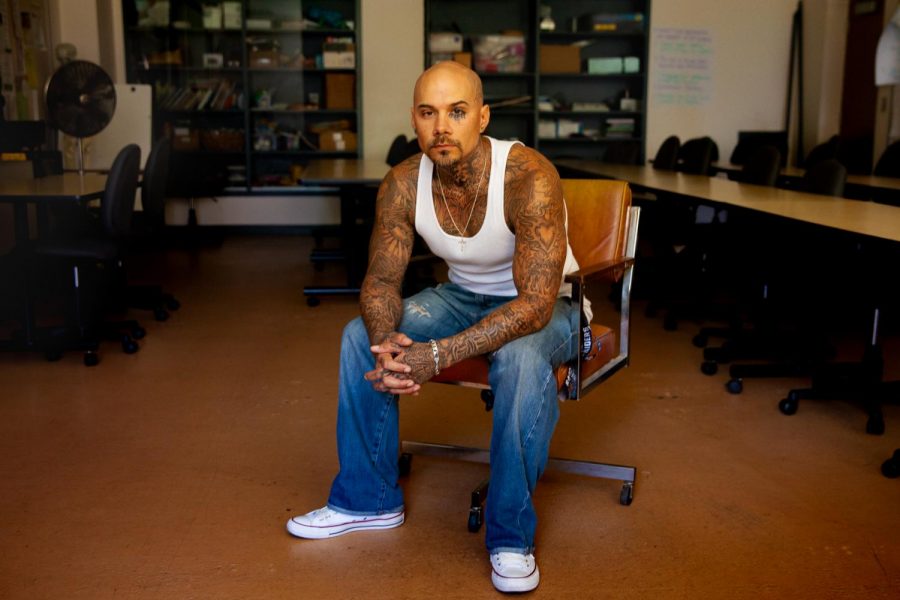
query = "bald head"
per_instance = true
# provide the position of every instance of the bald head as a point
(454, 73)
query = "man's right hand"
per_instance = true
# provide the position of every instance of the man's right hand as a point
(388, 374)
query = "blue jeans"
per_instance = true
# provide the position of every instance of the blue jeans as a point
(522, 377)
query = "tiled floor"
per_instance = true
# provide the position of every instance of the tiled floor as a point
(170, 473)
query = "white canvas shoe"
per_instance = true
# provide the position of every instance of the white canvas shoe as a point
(513, 572)
(325, 523)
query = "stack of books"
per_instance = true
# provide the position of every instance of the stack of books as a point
(622, 127)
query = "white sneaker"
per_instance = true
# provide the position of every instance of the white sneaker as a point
(325, 523)
(513, 572)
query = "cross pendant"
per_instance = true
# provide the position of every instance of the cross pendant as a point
(462, 244)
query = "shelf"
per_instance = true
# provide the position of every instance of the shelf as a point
(296, 70)
(591, 75)
(615, 114)
(316, 111)
(564, 36)
(183, 69)
(520, 75)
(216, 113)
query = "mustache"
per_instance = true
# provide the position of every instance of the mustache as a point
(443, 141)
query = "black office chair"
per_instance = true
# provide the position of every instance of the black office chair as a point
(148, 230)
(401, 149)
(697, 155)
(827, 177)
(889, 163)
(791, 353)
(667, 156)
(824, 151)
(83, 255)
(761, 166)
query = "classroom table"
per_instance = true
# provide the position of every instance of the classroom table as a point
(887, 188)
(53, 189)
(865, 218)
(357, 181)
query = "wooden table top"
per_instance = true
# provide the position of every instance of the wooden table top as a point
(68, 187)
(867, 218)
(869, 181)
(344, 171)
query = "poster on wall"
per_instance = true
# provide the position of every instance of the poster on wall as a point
(682, 66)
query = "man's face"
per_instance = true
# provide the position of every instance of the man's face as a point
(447, 116)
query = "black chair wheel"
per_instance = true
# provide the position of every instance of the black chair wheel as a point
(404, 463)
(160, 314)
(476, 519)
(700, 340)
(626, 495)
(91, 359)
(670, 323)
(735, 386)
(173, 304)
(53, 355)
(709, 367)
(788, 406)
(312, 301)
(875, 425)
(138, 333)
(129, 346)
(891, 467)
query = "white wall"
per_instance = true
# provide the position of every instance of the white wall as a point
(749, 70)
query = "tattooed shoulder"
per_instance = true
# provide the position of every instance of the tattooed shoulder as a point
(529, 176)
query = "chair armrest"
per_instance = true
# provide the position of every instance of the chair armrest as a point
(615, 266)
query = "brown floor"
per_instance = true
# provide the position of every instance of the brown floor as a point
(171, 473)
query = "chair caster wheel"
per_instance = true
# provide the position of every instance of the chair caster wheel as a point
(160, 314)
(129, 346)
(700, 340)
(138, 333)
(735, 386)
(709, 367)
(788, 406)
(312, 301)
(91, 359)
(173, 304)
(53, 355)
(627, 494)
(875, 425)
(891, 467)
(476, 518)
(404, 463)
(670, 323)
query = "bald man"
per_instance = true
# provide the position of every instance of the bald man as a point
(494, 211)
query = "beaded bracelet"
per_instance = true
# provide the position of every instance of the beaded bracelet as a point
(434, 353)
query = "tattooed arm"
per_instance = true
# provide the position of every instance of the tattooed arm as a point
(380, 301)
(536, 213)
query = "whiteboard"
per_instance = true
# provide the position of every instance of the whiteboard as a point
(132, 123)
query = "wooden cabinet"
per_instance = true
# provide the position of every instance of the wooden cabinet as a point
(568, 77)
(248, 90)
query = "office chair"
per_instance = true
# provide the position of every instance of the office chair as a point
(824, 151)
(603, 235)
(667, 156)
(827, 177)
(795, 354)
(889, 163)
(401, 149)
(148, 228)
(697, 155)
(85, 254)
(762, 166)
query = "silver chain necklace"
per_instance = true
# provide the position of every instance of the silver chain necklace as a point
(462, 237)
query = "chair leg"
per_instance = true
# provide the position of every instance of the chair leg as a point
(625, 474)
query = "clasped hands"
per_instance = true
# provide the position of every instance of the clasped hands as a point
(401, 365)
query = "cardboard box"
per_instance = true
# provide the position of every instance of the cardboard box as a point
(340, 91)
(546, 129)
(463, 58)
(560, 59)
(337, 141)
(338, 56)
(445, 43)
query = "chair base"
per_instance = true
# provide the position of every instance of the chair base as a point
(625, 474)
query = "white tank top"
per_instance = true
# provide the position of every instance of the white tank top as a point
(483, 265)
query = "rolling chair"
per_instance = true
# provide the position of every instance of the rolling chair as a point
(794, 355)
(762, 166)
(603, 234)
(824, 151)
(667, 156)
(88, 256)
(148, 229)
(889, 163)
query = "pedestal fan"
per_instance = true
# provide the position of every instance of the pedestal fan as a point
(81, 100)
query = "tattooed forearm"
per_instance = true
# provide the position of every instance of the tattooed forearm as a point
(389, 250)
